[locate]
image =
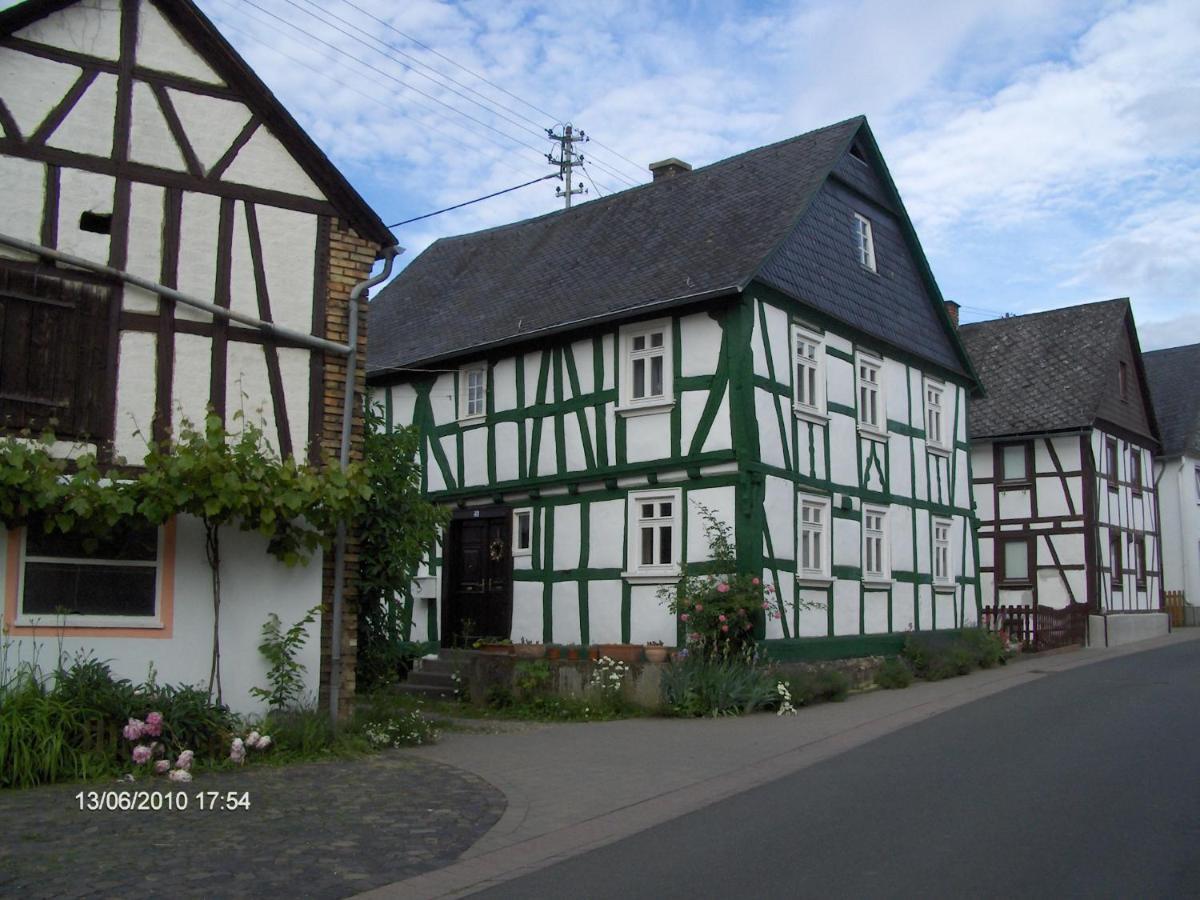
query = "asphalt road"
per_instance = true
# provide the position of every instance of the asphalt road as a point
(1085, 783)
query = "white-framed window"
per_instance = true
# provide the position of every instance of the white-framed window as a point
(1197, 473)
(522, 536)
(1015, 569)
(865, 240)
(472, 391)
(813, 538)
(876, 558)
(869, 384)
(118, 584)
(646, 365)
(1015, 460)
(654, 531)
(808, 351)
(943, 568)
(935, 415)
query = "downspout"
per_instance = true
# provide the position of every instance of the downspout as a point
(339, 553)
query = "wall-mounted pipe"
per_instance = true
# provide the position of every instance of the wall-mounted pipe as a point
(339, 552)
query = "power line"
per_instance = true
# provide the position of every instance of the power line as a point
(476, 200)
(592, 182)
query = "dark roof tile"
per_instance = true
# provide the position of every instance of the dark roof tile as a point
(1174, 377)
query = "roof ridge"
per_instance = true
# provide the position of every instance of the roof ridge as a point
(1045, 312)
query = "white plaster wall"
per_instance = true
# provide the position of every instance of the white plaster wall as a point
(135, 396)
(581, 352)
(253, 585)
(507, 451)
(843, 450)
(193, 371)
(875, 611)
(757, 345)
(721, 500)
(701, 344)
(248, 388)
(847, 538)
(160, 46)
(93, 28)
(474, 442)
(649, 618)
(647, 437)
(604, 612)
(289, 240)
(145, 244)
(404, 405)
(527, 611)
(81, 192)
(504, 385)
(839, 381)
(606, 527)
(31, 87)
(945, 610)
(564, 601)
(845, 607)
(21, 185)
(441, 400)
(720, 436)
(566, 537)
(813, 622)
(88, 127)
(294, 372)
(691, 408)
(264, 163)
(533, 364)
(547, 463)
(1016, 504)
(779, 331)
(151, 141)
(210, 123)
(573, 439)
(900, 465)
(198, 232)
(770, 445)
(433, 472)
(779, 503)
(902, 607)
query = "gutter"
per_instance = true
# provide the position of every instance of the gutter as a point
(339, 553)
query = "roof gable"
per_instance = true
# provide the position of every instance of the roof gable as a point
(697, 235)
(1172, 375)
(1056, 371)
(172, 23)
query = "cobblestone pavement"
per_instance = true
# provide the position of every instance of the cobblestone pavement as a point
(320, 830)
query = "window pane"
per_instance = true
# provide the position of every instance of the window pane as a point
(665, 550)
(656, 376)
(639, 342)
(1014, 463)
(53, 588)
(664, 510)
(524, 531)
(128, 543)
(816, 551)
(647, 546)
(1016, 561)
(647, 510)
(656, 339)
(639, 378)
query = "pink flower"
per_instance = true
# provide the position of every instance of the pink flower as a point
(722, 588)
(141, 754)
(747, 626)
(754, 581)
(185, 760)
(162, 767)
(766, 605)
(263, 742)
(180, 775)
(252, 739)
(133, 731)
(724, 627)
(699, 607)
(694, 636)
(237, 751)
(721, 618)
(683, 618)
(154, 723)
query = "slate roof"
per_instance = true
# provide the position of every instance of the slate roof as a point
(683, 239)
(228, 63)
(1045, 371)
(1174, 377)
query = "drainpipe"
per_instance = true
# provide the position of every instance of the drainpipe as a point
(339, 553)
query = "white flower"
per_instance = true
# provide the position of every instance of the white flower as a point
(263, 743)
(180, 775)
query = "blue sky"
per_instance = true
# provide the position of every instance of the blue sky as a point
(1048, 153)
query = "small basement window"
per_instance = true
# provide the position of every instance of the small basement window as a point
(96, 223)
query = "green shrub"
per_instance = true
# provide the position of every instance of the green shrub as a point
(820, 686)
(894, 674)
(43, 739)
(499, 697)
(191, 719)
(88, 685)
(285, 674)
(531, 678)
(987, 648)
(696, 686)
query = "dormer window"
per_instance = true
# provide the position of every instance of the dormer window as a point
(866, 242)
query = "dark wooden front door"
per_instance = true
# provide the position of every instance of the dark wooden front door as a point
(478, 577)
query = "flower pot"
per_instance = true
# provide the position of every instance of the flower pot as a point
(553, 651)
(574, 654)
(529, 651)
(593, 652)
(626, 653)
(497, 649)
(656, 654)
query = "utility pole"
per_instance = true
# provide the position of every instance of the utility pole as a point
(566, 159)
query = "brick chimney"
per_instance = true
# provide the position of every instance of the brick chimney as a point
(668, 168)
(952, 312)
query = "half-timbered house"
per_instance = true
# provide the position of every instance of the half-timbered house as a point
(1062, 445)
(133, 137)
(1174, 375)
(761, 337)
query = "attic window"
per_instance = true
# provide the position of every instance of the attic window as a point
(857, 152)
(1124, 379)
(866, 242)
(96, 223)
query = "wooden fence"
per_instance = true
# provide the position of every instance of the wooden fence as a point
(1175, 608)
(1040, 627)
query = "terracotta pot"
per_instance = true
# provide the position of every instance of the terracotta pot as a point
(529, 651)
(593, 652)
(656, 654)
(574, 653)
(626, 653)
(497, 649)
(553, 652)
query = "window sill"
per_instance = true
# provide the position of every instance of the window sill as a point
(651, 577)
(521, 554)
(472, 420)
(936, 450)
(945, 588)
(872, 433)
(51, 624)
(814, 581)
(878, 582)
(808, 414)
(644, 409)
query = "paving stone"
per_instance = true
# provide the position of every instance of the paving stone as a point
(322, 830)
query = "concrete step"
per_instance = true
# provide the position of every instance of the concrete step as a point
(431, 679)
(443, 665)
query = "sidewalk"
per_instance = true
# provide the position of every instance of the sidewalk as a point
(572, 788)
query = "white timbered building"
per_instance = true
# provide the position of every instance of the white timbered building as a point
(1063, 444)
(761, 337)
(1173, 375)
(133, 136)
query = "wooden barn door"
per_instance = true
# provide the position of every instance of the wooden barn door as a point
(478, 577)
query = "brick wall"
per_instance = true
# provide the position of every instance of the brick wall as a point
(350, 260)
